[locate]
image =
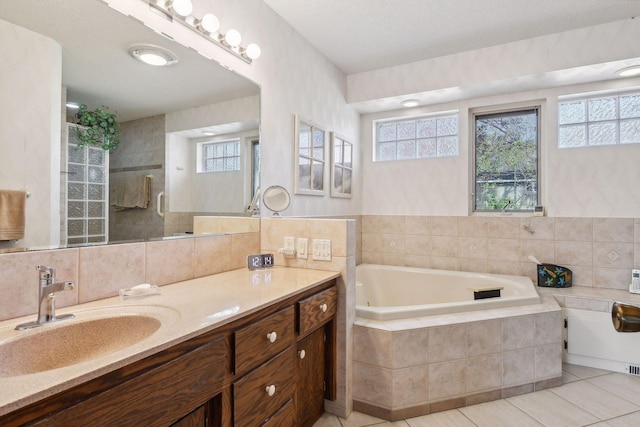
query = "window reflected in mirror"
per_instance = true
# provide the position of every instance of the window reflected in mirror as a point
(310, 159)
(341, 166)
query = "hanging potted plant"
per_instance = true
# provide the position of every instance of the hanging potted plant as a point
(98, 127)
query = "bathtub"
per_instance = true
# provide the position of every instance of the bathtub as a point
(388, 292)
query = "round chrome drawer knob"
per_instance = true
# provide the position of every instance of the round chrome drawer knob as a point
(272, 337)
(302, 354)
(271, 390)
(323, 307)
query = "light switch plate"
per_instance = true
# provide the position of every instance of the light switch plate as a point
(302, 248)
(321, 249)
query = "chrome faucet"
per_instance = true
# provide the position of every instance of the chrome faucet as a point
(46, 297)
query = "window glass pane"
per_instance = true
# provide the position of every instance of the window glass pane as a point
(630, 131)
(77, 173)
(337, 179)
(629, 106)
(218, 150)
(346, 181)
(304, 173)
(387, 151)
(337, 152)
(318, 138)
(96, 192)
(77, 155)
(76, 209)
(426, 148)
(447, 146)
(447, 126)
(96, 156)
(426, 128)
(506, 160)
(75, 227)
(75, 190)
(602, 134)
(572, 136)
(386, 132)
(318, 178)
(572, 112)
(95, 209)
(348, 153)
(96, 174)
(95, 226)
(602, 109)
(406, 150)
(406, 130)
(218, 164)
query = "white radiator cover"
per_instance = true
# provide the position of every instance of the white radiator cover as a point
(592, 341)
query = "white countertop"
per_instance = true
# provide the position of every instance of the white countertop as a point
(186, 309)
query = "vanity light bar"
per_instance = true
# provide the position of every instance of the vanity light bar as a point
(207, 27)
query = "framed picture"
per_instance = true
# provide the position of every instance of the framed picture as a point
(341, 166)
(311, 147)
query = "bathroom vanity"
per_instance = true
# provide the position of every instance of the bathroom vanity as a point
(262, 354)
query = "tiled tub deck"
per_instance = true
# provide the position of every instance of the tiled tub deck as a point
(411, 367)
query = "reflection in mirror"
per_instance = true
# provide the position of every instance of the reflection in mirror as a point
(341, 166)
(177, 125)
(310, 161)
(276, 199)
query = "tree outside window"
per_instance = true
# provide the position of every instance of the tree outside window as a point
(506, 160)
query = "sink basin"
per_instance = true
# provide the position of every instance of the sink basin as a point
(66, 344)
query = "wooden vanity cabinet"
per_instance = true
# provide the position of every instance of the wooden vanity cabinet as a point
(246, 373)
(316, 354)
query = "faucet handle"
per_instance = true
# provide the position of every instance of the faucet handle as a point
(46, 272)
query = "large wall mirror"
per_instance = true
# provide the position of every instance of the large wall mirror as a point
(192, 127)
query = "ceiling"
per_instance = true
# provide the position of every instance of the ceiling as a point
(364, 35)
(98, 70)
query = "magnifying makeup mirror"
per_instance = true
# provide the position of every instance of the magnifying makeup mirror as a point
(276, 199)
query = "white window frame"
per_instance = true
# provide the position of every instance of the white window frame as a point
(588, 124)
(415, 119)
(307, 188)
(202, 168)
(484, 111)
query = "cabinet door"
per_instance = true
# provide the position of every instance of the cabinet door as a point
(311, 374)
(197, 418)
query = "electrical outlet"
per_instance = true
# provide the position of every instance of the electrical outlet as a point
(289, 244)
(302, 248)
(321, 249)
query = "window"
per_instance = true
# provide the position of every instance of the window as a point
(342, 166)
(310, 146)
(506, 160)
(221, 156)
(417, 137)
(604, 120)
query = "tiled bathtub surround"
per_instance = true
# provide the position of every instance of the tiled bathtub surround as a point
(406, 368)
(100, 271)
(600, 251)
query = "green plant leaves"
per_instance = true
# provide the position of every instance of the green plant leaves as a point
(98, 127)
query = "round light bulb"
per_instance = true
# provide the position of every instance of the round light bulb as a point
(253, 51)
(410, 103)
(182, 7)
(210, 23)
(153, 59)
(233, 38)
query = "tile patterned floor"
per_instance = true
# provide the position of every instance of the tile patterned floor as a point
(588, 397)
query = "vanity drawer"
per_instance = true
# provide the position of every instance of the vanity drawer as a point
(317, 310)
(253, 404)
(263, 339)
(285, 417)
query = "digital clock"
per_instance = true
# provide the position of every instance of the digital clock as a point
(255, 262)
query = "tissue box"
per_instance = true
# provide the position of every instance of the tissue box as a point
(554, 276)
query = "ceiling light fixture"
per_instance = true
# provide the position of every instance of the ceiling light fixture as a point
(73, 105)
(180, 7)
(153, 55)
(631, 71)
(410, 103)
(208, 27)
